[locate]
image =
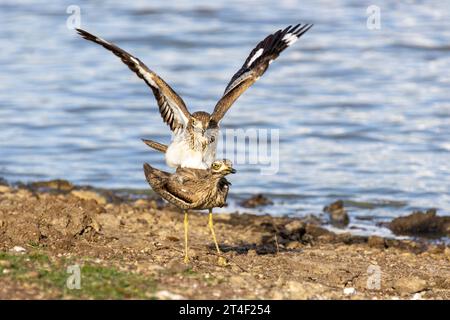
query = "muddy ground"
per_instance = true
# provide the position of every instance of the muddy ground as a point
(129, 248)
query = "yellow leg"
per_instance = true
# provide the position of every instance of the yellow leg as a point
(186, 225)
(211, 227)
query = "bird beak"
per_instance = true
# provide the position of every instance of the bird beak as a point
(232, 170)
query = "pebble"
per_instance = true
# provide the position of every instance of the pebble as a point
(4, 189)
(294, 226)
(349, 291)
(410, 285)
(140, 203)
(293, 245)
(5, 264)
(256, 201)
(376, 242)
(417, 296)
(338, 215)
(18, 249)
(167, 295)
(89, 195)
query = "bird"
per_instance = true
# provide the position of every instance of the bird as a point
(193, 189)
(194, 142)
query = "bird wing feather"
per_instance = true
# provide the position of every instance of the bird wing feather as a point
(256, 64)
(172, 108)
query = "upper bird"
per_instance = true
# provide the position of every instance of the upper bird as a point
(195, 135)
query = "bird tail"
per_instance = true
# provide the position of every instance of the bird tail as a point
(154, 176)
(157, 180)
(155, 145)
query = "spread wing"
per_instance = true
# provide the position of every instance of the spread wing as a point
(171, 106)
(256, 64)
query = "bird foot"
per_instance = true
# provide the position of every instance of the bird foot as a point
(222, 261)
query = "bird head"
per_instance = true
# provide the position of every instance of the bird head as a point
(200, 121)
(222, 167)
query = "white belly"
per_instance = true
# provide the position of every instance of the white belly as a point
(179, 154)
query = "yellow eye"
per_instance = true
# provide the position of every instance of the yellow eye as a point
(216, 166)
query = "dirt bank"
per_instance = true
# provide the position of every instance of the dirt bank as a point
(134, 249)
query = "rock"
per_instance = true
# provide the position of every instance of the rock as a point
(421, 224)
(5, 189)
(55, 185)
(338, 215)
(89, 195)
(349, 291)
(410, 285)
(5, 264)
(141, 203)
(167, 295)
(256, 201)
(294, 226)
(18, 249)
(376, 242)
(417, 296)
(293, 245)
(317, 231)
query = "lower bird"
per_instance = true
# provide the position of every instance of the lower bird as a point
(194, 189)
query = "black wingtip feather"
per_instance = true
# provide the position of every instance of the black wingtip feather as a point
(303, 30)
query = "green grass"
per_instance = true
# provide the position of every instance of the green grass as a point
(97, 282)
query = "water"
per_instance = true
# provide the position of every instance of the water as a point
(363, 114)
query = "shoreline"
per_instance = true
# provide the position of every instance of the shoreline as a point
(140, 240)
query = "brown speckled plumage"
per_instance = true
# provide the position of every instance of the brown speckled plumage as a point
(189, 188)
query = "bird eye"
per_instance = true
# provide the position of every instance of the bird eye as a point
(216, 166)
